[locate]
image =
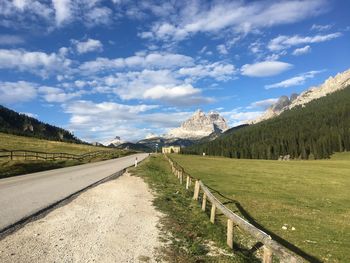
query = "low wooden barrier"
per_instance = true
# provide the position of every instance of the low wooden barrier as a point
(270, 247)
(33, 155)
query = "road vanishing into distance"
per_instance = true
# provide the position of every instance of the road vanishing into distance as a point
(25, 195)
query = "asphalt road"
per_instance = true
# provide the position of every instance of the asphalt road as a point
(23, 196)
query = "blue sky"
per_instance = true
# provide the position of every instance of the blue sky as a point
(134, 68)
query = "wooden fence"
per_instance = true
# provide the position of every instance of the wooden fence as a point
(33, 155)
(270, 247)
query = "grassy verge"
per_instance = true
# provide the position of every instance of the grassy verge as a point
(309, 198)
(187, 230)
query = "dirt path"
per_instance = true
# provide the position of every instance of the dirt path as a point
(113, 222)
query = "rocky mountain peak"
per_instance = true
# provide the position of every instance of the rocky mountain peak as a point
(332, 84)
(116, 141)
(199, 125)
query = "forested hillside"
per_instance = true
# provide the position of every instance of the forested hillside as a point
(20, 124)
(314, 131)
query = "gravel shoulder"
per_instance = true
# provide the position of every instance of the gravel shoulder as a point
(113, 222)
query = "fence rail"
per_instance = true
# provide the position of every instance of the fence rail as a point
(34, 155)
(271, 247)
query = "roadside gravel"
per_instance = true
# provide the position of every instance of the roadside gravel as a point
(113, 222)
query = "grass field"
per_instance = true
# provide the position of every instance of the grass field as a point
(13, 142)
(313, 197)
(16, 167)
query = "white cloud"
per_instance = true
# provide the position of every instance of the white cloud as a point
(263, 103)
(238, 116)
(29, 114)
(88, 45)
(103, 121)
(295, 81)
(284, 42)
(57, 95)
(217, 70)
(321, 27)
(264, 69)
(39, 63)
(142, 60)
(62, 11)
(239, 16)
(182, 95)
(222, 49)
(38, 15)
(163, 92)
(301, 51)
(15, 92)
(10, 40)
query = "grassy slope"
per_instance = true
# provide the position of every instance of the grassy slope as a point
(312, 196)
(186, 228)
(12, 142)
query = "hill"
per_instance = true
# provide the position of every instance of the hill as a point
(16, 123)
(133, 147)
(312, 131)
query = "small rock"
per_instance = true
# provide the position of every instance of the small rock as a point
(293, 228)
(284, 227)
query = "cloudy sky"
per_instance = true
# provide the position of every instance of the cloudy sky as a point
(133, 68)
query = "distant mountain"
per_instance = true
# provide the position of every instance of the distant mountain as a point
(199, 125)
(158, 142)
(134, 147)
(198, 128)
(115, 142)
(332, 84)
(314, 130)
(20, 124)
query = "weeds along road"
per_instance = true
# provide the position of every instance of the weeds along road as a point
(23, 196)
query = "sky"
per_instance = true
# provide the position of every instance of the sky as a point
(139, 68)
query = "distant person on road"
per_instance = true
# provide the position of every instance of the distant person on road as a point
(136, 162)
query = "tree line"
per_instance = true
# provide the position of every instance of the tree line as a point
(15, 123)
(313, 131)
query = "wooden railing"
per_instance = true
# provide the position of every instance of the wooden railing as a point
(270, 247)
(33, 155)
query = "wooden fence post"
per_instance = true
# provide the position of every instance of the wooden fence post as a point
(204, 202)
(11, 155)
(267, 255)
(212, 213)
(196, 190)
(187, 182)
(230, 233)
(181, 177)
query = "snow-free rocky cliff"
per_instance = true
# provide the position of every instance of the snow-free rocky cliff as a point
(332, 84)
(199, 126)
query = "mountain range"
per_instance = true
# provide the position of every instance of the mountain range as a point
(332, 84)
(312, 125)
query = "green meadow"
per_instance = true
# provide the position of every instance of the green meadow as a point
(304, 203)
(17, 167)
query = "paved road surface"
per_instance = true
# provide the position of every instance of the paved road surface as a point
(24, 195)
